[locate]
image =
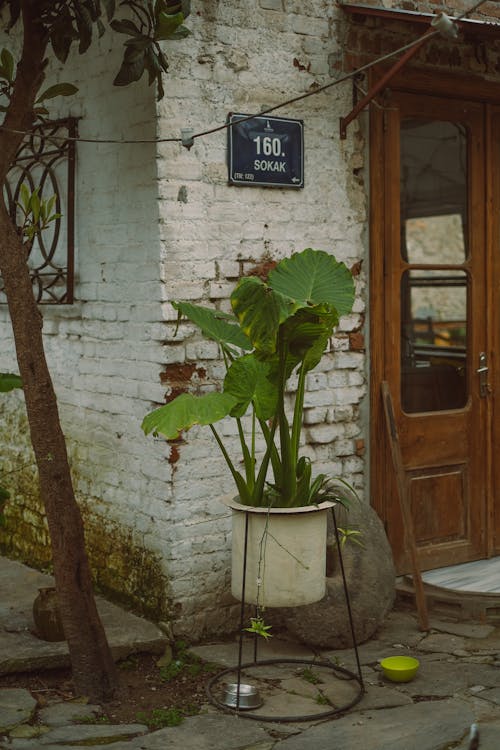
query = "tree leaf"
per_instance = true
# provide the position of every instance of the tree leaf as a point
(176, 6)
(62, 34)
(125, 26)
(84, 23)
(35, 206)
(180, 33)
(25, 196)
(110, 7)
(166, 25)
(60, 89)
(61, 44)
(9, 381)
(15, 11)
(187, 410)
(7, 64)
(131, 69)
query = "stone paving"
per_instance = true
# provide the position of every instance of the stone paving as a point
(458, 684)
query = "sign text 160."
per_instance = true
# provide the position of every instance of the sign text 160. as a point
(270, 146)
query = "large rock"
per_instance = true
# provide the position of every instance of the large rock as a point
(370, 579)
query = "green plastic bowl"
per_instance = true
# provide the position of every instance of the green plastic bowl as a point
(399, 668)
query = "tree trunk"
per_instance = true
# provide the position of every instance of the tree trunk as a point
(94, 671)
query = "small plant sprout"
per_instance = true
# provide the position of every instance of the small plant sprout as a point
(259, 627)
(351, 536)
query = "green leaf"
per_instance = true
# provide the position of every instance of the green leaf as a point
(15, 11)
(215, 325)
(259, 627)
(84, 23)
(139, 42)
(9, 381)
(60, 89)
(180, 33)
(187, 410)
(7, 65)
(25, 196)
(4, 495)
(132, 67)
(247, 381)
(62, 35)
(110, 7)
(313, 277)
(35, 206)
(126, 27)
(306, 334)
(260, 311)
(167, 24)
(50, 203)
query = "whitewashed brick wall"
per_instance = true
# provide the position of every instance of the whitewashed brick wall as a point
(113, 354)
(241, 59)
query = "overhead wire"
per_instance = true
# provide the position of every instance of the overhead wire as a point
(263, 112)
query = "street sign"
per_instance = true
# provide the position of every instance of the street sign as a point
(265, 151)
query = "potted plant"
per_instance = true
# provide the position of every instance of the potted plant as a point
(279, 328)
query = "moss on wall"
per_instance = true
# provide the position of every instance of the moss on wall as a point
(122, 568)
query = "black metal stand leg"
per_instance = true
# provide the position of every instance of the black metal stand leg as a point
(347, 600)
(242, 612)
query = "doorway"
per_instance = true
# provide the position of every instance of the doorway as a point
(435, 241)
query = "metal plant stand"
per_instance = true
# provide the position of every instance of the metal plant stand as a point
(339, 672)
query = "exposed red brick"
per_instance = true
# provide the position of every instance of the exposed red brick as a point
(356, 268)
(356, 341)
(263, 268)
(176, 373)
(174, 453)
(360, 447)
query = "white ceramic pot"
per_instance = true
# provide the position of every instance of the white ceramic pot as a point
(286, 554)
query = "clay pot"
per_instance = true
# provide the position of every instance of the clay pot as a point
(46, 615)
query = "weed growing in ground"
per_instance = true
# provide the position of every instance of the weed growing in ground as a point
(159, 718)
(184, 661)
(93, 719)
(322, 700)
(309, 676)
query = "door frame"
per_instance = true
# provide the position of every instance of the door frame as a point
(420, 81)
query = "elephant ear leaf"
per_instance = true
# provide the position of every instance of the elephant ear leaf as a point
(215, 325)
(260, 312)
(314, 277)
(9, 381)
(247, 380)
(187, 410)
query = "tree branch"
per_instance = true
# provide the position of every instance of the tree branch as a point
(29, 78)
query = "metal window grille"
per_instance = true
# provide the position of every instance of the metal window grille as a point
(46, 160)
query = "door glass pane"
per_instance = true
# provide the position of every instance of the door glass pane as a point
(433, 191)
(433, 185)
(435, 239)
(433, 340)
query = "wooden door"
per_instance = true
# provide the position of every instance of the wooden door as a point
(432, 240)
